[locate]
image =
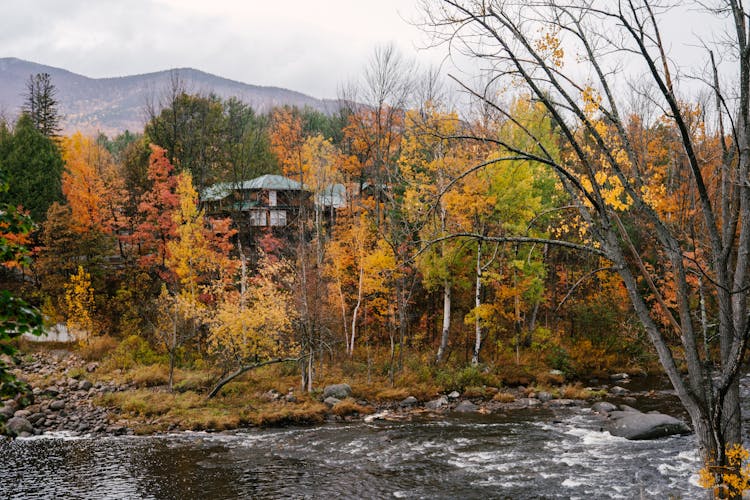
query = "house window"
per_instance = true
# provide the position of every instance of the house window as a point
(258, 217)
(278, 218)
(272, 199)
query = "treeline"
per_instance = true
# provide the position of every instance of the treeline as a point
(443, 250)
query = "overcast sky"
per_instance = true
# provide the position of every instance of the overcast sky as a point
(312, 46)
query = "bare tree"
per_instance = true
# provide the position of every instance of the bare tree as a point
(376, 118)
(569, 55)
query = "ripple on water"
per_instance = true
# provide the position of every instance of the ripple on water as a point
(522, 456)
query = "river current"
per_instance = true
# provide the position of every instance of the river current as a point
(523, 454)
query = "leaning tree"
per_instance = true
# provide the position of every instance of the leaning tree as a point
(660, 179)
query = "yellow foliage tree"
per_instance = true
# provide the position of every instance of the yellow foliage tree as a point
(200, 264)
(253, 326)
(729, 481)
(79, 299)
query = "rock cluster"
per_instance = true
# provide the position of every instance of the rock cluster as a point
(66, 404)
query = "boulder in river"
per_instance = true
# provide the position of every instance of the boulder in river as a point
(528, 402)
(466, 407)
(338, 391)
(636, 425)
(436, 404)
(544, 396)
(454, 395)
(408, 402)
(17, 426)
(603, 407)
(618, 391)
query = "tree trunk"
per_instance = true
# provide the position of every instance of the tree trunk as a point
(355, 314)
(243, 369)
(477, 304)
(446, 321)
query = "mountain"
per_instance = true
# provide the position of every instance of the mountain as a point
(112, 105)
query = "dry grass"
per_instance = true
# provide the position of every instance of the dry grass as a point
(577, 391)
(309, 412)
(97, 348)
(148, 376)
(479, 392)
(547, 378)
(504, 397)
(350, 407)
(198, 381)
(149, 403)
(390, 394)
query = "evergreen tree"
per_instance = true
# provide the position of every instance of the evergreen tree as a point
(41, 104)
(33, 165)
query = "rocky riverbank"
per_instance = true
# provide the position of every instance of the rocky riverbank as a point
(61, 400)
(68, 392)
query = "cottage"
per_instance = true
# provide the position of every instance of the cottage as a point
(269, 200)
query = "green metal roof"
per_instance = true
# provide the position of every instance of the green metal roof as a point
(276, 182)
(333, 195)
(272, 182)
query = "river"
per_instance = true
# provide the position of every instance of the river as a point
(543, 453)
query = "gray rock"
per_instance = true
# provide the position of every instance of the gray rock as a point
(22, 414)
(436, 404)
(603, 407)
(11, 403)
(529, 402)
(616, 377)
(117, 430)
(454, 395)
(271, 395)
(618, 391)
(291, 398)
(57, 405)
(35, 418)
(544, 396)
(85, 385)
(556, 373)
(7, 412)
(52, 391)
(408, 402)
(628, 408)
(466, 407)
(338, 391)
(331, 401)
(637, 426)
(17, 426)
(91, 367)
(560, 403)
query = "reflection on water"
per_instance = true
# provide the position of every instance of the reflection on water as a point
(537, 454)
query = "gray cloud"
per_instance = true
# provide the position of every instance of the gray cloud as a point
(312, 47)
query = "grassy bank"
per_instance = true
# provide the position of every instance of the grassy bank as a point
(271, 395)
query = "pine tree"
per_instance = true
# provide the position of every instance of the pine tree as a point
(41, 104)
